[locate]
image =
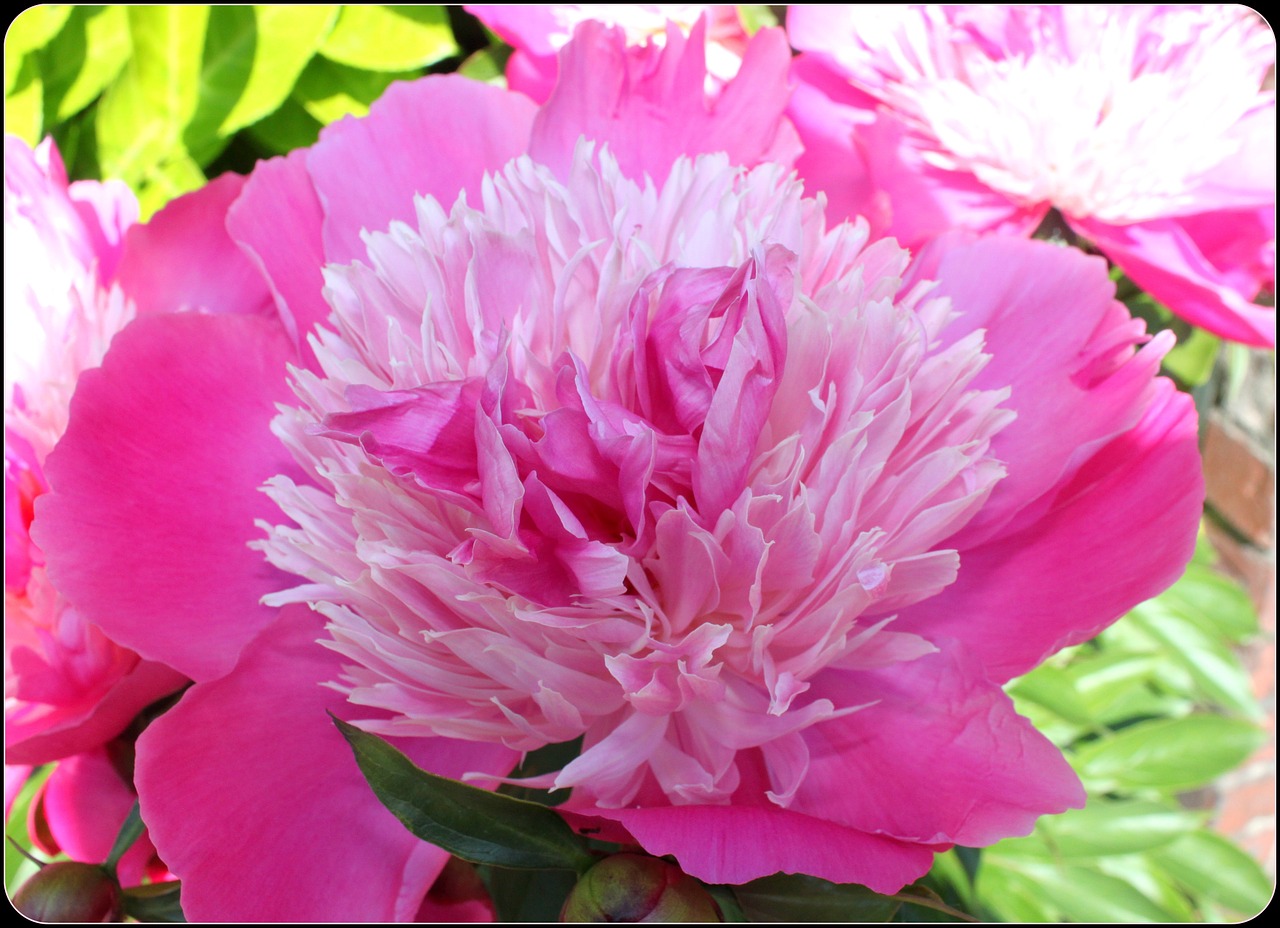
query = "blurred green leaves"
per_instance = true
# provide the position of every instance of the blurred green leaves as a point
(154, 95)
(1155, 708)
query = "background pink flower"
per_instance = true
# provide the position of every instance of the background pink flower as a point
(1148, 128)
(68, 687)
(537, 33)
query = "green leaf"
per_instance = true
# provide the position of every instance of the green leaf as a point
(1012, 895)
(1106, 827)
(169, 176)
(141, 116)
(479, 826)
(155, 902)
(546, 759)
(1167, 754)
(252, 58)
(83, 59)
(1053, 688)
(488, 65)
(799, 898)
(1214, 602)
(1212, 866)
(1191, 359)
(527, 895)
(1214, 668)
(33, 28)
(23, 98)
(755, 18)
(390, 38)
(329, 91)
(289, 127)
(1083, 894)
(18, 868)
(130, 831)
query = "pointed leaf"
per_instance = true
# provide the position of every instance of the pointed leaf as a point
(479, 826)
(1215, 670)
(83, 59)
(1212, 866)
(1106, 827)
(390, 38)
(154, 902)
(1167, 754)
(527, 895)
(329, 91)
(798, 898)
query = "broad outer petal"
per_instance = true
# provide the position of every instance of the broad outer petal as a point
(157, 479)
(1174, 261)
(434, 137)
(1070, 392)
(938, 756)
(184, 259)
(735, 844)
(255, 801)
(1119, 532)
(143, 685)
(649, 106)
(279, 194)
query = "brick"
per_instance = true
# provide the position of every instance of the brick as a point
(1239, 484)
(1247, 803)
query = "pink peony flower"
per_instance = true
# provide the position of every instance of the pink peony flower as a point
(176, 580)
(68, 687)
(1146, 127)
(537, 34)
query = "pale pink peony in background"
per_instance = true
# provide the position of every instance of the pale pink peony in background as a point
(68, 687)
(1146, 127)
(537, 32)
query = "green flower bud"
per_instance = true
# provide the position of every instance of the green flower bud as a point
(635, 888)
(69, 891)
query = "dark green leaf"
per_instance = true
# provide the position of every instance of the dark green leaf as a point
(154, 902)
(289, 127)
(130, 832)
(330, 91)
(83, 59)
(527, 895)
(799, 898)
(1167, 754)
(546, 759)
(479, 826)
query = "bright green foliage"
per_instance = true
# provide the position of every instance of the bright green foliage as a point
(1156, 707)
(390, 38)
(155, 95)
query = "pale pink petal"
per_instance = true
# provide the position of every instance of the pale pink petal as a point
(183, 258)
(649, 106)
(1205, 268)
(532, 28)
(436, 137)
(1057, 579)
(255, 801)
(532, 75)
(176, 424)
(937, 756)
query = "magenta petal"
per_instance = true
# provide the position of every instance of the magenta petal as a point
(734, 844)
(649, 106)
(1120, 532)
(157, 478)
(85, 801)
(939, 756)
(255, 801)
(279, 194)
(1174, 261)
(132, 693)
(528, 27)
(1071, 392)
(434, 137)
(183, 258)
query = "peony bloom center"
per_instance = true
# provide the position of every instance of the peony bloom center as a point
(599, 459)
(1109, 112)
